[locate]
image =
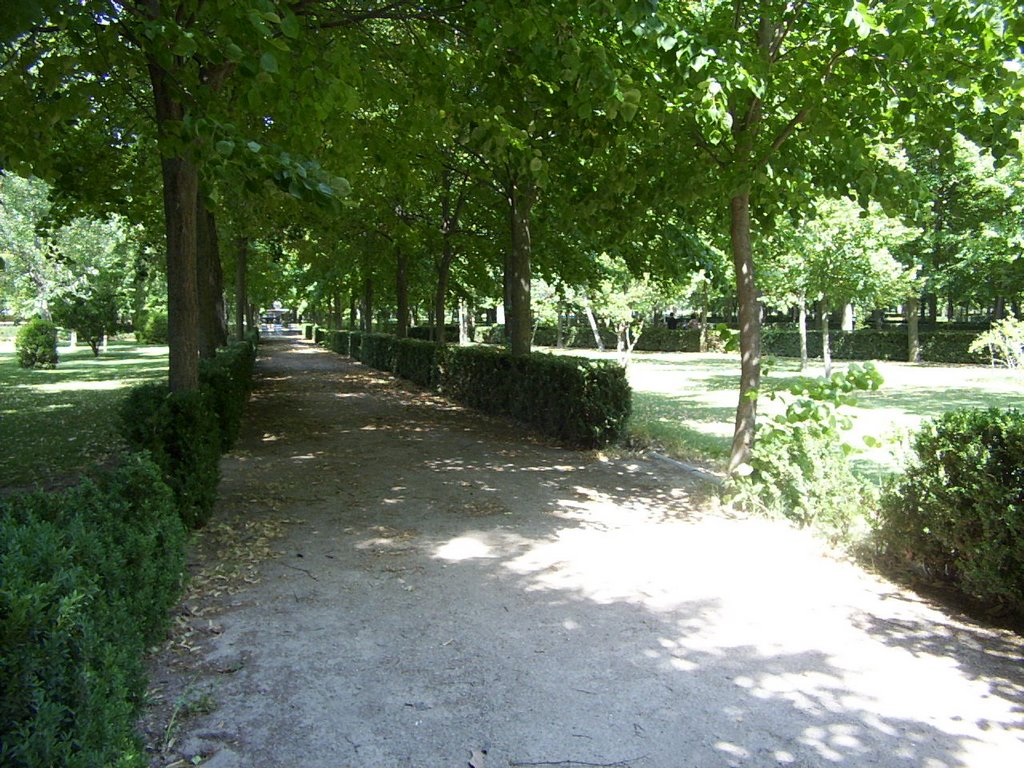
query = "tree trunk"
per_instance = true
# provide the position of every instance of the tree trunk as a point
(933, 308)
(848, 318)
(517, 313)
(593, 323)
(913, 338)
(999, 309)
(213, 331)
(402, 293)
(180, 194)
(241, 299)
(750, 331)
(802, 309)
(444, 267)
(352, 310)
(705, 301)
(464, 317)
(826, 342)
(368, 305)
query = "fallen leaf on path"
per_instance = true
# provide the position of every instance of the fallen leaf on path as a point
(477, 759)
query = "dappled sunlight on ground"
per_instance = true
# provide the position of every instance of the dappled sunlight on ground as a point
(457, 585)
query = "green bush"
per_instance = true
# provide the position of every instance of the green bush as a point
(577, 401)
(36, 344)
(377, 350)
(87, 578)
(800, 467)
(869, 344)
(228, 379)
(182, 432)
(154, 329)
(958, 509)
(426, 332)
(307, 331)
(339, 341)
(418, 361)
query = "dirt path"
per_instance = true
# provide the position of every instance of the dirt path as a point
(448, 588)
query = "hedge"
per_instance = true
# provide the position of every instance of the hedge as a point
(87, 578)
(652, 339)
(307, 331)
(186, 432)
(869, 344)
(426, 332)
(958, 509)
(577, 401)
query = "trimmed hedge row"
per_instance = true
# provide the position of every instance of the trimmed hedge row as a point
(958, 509)
(653, 338)
(869, 344)
(577, 401)
(186, 432)
(87, 578)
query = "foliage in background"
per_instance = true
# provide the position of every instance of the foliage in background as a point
(800, 465)
(87, 578)
(1003, 342)
(958, 508)
(154, 329)
(36, 344)
(868, 344)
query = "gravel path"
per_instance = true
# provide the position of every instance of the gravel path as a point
(450, 592)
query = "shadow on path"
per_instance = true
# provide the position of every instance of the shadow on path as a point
(450, 587)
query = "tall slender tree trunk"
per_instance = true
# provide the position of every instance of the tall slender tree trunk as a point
(705, 301)
(912, 310)
(352, 310)
(368, 305)
(464, 317)
(213, 331)
(443, 268)
(593, 322)
(402, 292)
(517, 313)
(826, 341)
(802, 320)
(750, 330)
(241, 288)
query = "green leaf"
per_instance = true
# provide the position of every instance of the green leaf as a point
(225, 147)
(254, 146)
(290, 26)
(268, 63)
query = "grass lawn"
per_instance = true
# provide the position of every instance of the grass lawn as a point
(685, 404)
(54, 423)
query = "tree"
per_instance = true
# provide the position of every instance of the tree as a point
(781, 99)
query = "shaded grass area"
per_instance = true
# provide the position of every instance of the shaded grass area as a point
(685, 404)
(54, 423)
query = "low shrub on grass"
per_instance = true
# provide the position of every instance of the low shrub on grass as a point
(154, 329)
(87, 577)
(36, 344)
(958, 509)
(870, 344)
(181, 430)
(800, 467)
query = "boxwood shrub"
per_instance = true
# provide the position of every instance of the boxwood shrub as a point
(577, 401)
(419, 361)
(181, 431)
(36, 344)
(87, 577)
(228, 379)
(377, 350)
(307, 331)
(958, 509)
